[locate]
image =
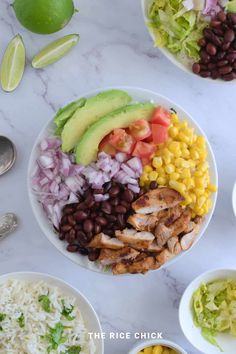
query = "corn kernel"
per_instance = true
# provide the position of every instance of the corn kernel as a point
(162, 181)
(174, 118)
(170, 168)
(199, 191)
(153, 176)
(175, 176)
(157, 162)
(212, 188)
(173, 131)
(186, 173)
(147, 168)
(182, 137)
(201, 142)
(194, 154)
(201, 201)
(178, 186)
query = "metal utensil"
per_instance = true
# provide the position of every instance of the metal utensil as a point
(7, 154)
(8, 224)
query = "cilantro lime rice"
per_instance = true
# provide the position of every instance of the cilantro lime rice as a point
(36, 318)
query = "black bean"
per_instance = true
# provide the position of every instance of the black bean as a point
(128, 196)
(221, 16)
(205, 74)
(229, 36)
(93, 254)
(121, 221)
(215, 23)
(72, 248)
(106, 207)
(114, 201)
(114, 191)
(196, 68)
(225, 46)
(98, 191)
(231, 56)
(202, 42)
(88, 225)
(222, 63)
(97, 228)
(232, 17)
(205, 58)
(80, 215)
(220, 55)
(120, 209)
(211, 49)
(66, 228)
(229, 77)
(71, 220)
(81, 206)
(68, 210)
(223, 70)
(106, 186)
(153, 185)
(101, 220)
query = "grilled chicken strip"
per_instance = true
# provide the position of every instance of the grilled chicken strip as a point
(142, 266)
(138, 240)
(142, 222)
(188, 239)
(154, 247)
(163, 232)
(174, 245)
(164, 256)
(109, 257)
(156, 200)
(103, 241)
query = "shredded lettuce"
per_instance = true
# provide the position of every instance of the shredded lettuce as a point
(214, 309)
(176, 28)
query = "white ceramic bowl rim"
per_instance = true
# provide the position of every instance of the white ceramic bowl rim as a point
(149, 343)
(142, 94)
(59, 282)
(171, 57)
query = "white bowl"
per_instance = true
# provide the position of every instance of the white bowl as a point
(187, 68)
(193, 333)
(138, 95)
(150, 343)
(89, 315)
(234, 199)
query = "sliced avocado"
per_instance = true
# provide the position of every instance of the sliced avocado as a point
(66, 112)
(94, 108)
(87, 148)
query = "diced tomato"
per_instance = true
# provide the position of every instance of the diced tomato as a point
(161, 116)
(140, 129)
(143, 150)
(145, 160)
(148, 139)
(159, 133)
(107, 147)
(122, 141)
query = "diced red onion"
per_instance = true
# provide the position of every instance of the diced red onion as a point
(134, 188)
(121, 157)
(101, 197)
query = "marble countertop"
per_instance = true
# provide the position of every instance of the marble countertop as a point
(115, 49)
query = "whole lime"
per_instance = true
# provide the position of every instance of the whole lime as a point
(44, 16)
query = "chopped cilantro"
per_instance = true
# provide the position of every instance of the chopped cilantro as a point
(21, 320)
(55, 337)
(66, 311)
(46, 303)
(75, 349)
(2, 316)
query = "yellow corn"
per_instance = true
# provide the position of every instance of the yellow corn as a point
(170, 169)
(157, 162)
(158, 349)
(181, 164)
(148, 350)
(153, 176)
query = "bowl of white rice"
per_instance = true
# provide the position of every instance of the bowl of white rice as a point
(41, 314)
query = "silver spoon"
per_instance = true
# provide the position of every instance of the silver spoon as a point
(8, 224)
(7, 154)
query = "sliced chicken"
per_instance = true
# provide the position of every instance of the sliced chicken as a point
(156, 200)
(103, 241)
(170, 215)
(154, 247)
(164, 256)
(188, 239)
(163, 233)
(142, 222)
(174, 245)
(140, 240)
(142, 266)
(109, 257)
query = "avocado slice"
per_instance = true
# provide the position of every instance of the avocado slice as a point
(87, 148)
(94, 108)
(65, 113)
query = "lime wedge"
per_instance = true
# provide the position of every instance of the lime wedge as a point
(55, 51)
(13, 64)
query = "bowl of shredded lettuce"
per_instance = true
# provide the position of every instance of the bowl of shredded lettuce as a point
(207, 312)
(177, 25)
